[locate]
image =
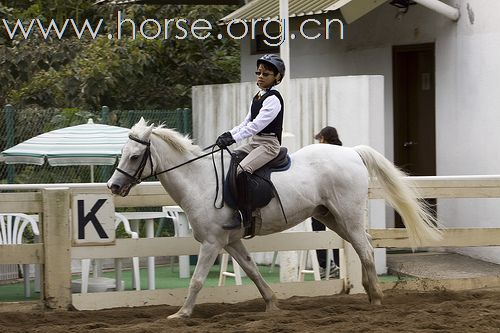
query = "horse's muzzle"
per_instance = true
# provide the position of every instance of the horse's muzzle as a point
(115, 189)
(119, 190)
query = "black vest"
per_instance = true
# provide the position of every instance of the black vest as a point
(276, 126)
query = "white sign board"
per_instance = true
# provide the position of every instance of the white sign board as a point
(93, 219)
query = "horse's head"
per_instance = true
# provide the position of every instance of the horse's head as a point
(136, 163)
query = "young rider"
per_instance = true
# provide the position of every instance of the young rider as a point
(263, 124)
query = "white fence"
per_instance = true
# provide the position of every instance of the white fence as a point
(56, 251)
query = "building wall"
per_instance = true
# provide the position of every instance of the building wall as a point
(467, 71)
(469, 114)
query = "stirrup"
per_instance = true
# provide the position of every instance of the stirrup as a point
(235, 221)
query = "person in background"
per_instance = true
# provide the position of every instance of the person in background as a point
(327, 135)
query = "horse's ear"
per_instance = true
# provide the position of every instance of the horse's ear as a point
(148, 131)
(142, 129)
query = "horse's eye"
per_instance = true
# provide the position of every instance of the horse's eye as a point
(134, 157)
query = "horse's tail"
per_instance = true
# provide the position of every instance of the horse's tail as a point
(420, 224)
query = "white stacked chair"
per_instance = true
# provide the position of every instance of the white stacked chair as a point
(12, 227)
(181, 229)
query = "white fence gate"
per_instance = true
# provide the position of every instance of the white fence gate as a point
(56, 251)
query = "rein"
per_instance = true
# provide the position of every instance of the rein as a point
(189, 161)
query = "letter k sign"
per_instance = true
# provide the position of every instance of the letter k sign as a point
(93, 219)
(90, 217)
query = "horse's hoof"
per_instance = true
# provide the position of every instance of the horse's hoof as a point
(376, 302)
(272, 307)
(178, 315)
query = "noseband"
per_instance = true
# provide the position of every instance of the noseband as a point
(137, 176)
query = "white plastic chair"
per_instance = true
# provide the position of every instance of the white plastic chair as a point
(181, 229)
(12, 227)
(119, 219)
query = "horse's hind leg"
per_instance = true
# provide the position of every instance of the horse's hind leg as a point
(206, 258)
(359, 241)
(238, 251)
(352, 230)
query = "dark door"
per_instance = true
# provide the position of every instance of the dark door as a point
(414, 111)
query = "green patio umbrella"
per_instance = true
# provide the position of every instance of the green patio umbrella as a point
(89, 144)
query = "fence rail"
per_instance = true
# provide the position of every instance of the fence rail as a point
(56, 251)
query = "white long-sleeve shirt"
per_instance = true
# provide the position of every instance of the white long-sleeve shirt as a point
(271, 107)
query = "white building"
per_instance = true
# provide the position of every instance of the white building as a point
(440, 94)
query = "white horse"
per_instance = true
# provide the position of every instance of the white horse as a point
(327, 182)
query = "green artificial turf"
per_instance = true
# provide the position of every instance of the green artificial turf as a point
(166, 278)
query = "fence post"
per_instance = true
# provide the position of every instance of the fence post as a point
(178, 120)
(57, 248)
(106, 170)
(186, 121)
(130, 118)
(105, 115)
(353, 270)
(9, 129)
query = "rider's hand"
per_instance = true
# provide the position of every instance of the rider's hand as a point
(224, 140)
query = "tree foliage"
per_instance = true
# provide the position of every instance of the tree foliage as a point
(123, 74)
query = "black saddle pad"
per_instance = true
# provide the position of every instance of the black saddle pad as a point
(259, 185)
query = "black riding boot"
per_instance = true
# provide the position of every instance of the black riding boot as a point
(244, 212)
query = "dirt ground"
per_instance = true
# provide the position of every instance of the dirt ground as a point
(442, 311)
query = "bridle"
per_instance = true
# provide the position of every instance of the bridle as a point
(137, 176)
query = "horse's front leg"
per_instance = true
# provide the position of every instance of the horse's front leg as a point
(238, 251)
(206, 258)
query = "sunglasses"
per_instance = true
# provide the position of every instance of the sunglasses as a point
(263, 74)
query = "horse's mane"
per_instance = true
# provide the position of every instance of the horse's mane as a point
(173, 138)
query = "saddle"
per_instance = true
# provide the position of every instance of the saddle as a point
(252, 191)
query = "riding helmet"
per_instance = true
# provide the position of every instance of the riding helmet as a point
(275, 62)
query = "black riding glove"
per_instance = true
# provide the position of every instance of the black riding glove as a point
(225, 140)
